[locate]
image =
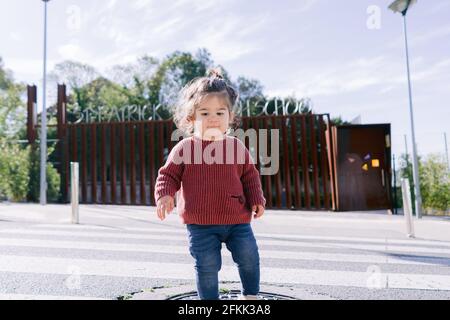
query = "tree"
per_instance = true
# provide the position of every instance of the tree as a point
(12, 107)
(74, 74)
(174, 72)
(435, 184)
(338, 121)
(132, 74)
(249, 89)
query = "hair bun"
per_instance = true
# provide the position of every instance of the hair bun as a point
(215, 73)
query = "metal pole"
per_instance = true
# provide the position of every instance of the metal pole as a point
(418, 197)
(407, 210)
(43, 178)
(406, 147)
(395, 184)
(446, 151)
(74, 186)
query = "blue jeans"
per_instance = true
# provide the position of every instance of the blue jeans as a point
(205, 244)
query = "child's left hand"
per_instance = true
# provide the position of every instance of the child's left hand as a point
(259, 209)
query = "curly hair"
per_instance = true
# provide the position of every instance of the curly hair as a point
(193, 93)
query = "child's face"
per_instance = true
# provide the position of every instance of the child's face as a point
(212, 118)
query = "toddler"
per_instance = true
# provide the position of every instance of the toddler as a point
(218, 185)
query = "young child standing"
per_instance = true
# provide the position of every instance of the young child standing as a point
(218, 194)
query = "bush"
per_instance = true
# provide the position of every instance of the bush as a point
(53, 178)
(14, 171)
(434, 183)
(20, 174)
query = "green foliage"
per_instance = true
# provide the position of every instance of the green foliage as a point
(53, 177)
(14, 169)
(12, 108)
(434, 182)
(338, 121)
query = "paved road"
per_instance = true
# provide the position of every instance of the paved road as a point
(120, 250)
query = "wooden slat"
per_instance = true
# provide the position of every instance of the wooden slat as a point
(142, 163)
(323, 157)
(331, 152)
(255, 126)
(151, 161)
(83, 164)
(113, 171)
(66, 159)
(74, 143)
(93, 157)
(161, 144)
(295, 156)
(267, 178)
(305, 164)
(313, 149)
(248, 125)
(287, 176)
(278, 174)
(132, 165)
(122, 164)
(168, 126)
(103, 161)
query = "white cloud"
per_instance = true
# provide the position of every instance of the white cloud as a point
(363, 73)
(229, 38)
(72, 51)
(15, 36)
(421, 39)
(111, 4)
(305, 5)
(140, 4)
(169, 27)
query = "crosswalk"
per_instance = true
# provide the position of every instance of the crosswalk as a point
(64, 261)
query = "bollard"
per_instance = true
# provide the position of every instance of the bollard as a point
(74, 191)
(407, 208)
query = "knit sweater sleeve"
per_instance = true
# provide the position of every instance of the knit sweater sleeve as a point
(251, 182)
(168, 181)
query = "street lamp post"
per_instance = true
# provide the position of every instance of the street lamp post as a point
(402, 6)
(43, 178)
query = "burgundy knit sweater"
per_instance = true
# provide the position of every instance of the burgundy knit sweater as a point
(217, 181)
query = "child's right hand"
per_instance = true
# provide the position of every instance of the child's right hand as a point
(164, 205)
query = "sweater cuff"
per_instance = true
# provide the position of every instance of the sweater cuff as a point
(256, 198)
(163, 193)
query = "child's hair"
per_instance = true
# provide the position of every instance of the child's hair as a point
(192, 94)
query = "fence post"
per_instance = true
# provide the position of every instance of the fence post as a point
(407, 208)
(74, 185)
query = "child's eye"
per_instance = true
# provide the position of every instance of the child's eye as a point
(220, 113)
(204, 114)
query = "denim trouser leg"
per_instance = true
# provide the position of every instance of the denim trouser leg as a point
(205, 248)
(205, 243)
(244, 250)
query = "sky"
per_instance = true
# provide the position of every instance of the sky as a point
(347, 56)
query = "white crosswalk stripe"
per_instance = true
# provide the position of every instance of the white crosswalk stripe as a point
(387, 246)
(12, 296)
(173, 241)
(182, 231)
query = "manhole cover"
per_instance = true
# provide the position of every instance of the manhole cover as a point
(231, 295)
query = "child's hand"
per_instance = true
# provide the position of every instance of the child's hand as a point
(259, 209)
(165, 205)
